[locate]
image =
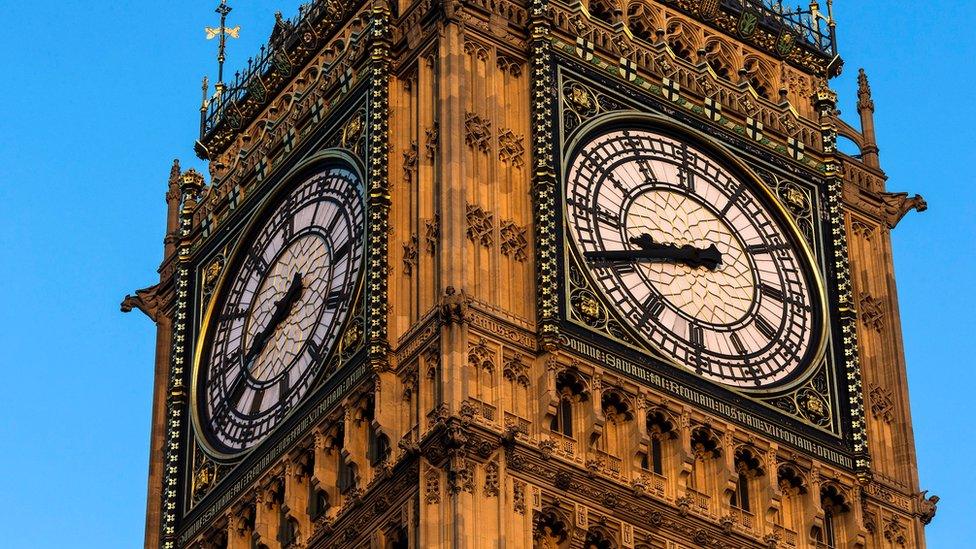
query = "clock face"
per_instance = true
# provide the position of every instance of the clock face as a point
(689, 255)
(280, 309)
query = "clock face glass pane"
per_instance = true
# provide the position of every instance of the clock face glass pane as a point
(688, 255)
(279, 313)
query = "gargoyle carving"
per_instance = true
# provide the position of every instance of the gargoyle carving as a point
(146, 300)
(896, 205)
(927, 507)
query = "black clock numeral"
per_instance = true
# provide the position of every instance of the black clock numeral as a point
(221, 414)
(653, 309)
(288, 227)
(764, 327)
(283, 385)
(236, 315)
(622, 268)
(696, 336)
(772, 292)
(737, 343)
(256, 403)
(342, 251)
(732, 200)
(335, 299)
(257, 261)
(618, 184)
(687, 178)
(314, 350)
(607, 218)
(647, 171)
(757, 249)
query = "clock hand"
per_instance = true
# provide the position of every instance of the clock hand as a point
(650, 251)
(281, 312)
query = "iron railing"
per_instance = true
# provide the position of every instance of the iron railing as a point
(270, 58)
(810, 26)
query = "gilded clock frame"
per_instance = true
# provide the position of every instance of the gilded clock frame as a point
(822, 377)
(636, 119)
(316, 163)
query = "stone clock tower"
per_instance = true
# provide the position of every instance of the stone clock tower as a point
(533, 273)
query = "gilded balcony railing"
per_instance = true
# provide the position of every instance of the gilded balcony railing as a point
(808, 26)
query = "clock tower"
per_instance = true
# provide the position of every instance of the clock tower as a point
(533, 273)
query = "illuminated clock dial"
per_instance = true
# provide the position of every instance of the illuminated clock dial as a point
(693, 257)
(279, 312)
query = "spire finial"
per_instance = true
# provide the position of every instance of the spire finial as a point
(222, 32)
(864, 101)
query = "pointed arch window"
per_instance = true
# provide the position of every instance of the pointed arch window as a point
(571, 391)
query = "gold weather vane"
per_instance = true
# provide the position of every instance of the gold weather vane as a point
(222, 32)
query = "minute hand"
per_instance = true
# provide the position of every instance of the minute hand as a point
(281, 312)
(693, 257)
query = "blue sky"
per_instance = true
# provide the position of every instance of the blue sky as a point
(99, 97)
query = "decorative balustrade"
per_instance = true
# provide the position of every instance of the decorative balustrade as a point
(744, 520)
(610, 465)
(786, 536)
(657, 484)
(700, 503)
(810, 27)
(565, 447)
(273, 57)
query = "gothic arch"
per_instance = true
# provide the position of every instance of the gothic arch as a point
(791, 479)
(570, 382)
(598, 538)
(603, 10)
(761, 75)
(705, 442)
(616, 405)
(643, 20)
(721, 57)
(747, 461)
(682, 39)
(834, 499)
(661, 423)
(551, 529)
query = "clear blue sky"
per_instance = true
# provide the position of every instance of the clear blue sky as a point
(99, 97)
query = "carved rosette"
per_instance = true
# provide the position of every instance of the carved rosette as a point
(481, 225)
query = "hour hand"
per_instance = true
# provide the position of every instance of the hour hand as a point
(650, 251)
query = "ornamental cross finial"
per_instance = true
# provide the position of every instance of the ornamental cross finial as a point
(222, 32)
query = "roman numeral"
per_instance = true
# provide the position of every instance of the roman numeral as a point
(256, 403)
(288, 227)
(335, 299)
(622, 268)
(766, 248)
(732, 200)
(617, 183)
(283, 387)
(257, 261)
(648, 172)
(772, 292)
(687, 179)
(240, 313)
(696, 336)
(653, 309)
(341, 251)
(314, 351)
(764, 327)
(607, 218)
(737, 343)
